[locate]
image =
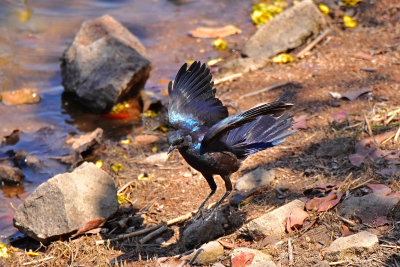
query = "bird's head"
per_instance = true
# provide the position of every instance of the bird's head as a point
(178, 140)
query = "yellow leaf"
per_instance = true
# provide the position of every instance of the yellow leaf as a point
(145, 176)
(3, 251)
(349, 22)
(24, 14)
(126, 141)
(154, 149)
(30, 253)
(99, 163)
(324, 9)
(219, 43)
(119, 107)
(351, 3)
(263, 12)
(214, 61)
(189, 61)
(151, 113)
(282, 58)
(117, 167)
(121, 198)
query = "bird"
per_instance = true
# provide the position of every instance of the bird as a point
(211, 141)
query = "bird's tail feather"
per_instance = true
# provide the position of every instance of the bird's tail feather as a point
(265, 132)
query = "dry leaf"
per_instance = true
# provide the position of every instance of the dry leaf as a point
(226, 244)
(381, 221)
(296, 219)
(243, 259)
(353, 95)
(90, 225)
(221, 32)
(380, 189)
(346, 231)
(324, 203)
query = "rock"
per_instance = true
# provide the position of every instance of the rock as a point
(159, 158)
(270, 223)
(202, 231)
(259, 259)
(104, 64)
(10, 175)
(255, 179)
(368, 207)
(206, 254)
(346, 247)
(286, 31)
(23, 159)
(19, 97)
(146, 139)
(250, 182)
(66, 203)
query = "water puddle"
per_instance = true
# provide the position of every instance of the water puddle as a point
(33, 36)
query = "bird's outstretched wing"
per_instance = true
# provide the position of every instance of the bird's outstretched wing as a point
(192, 101)
(224, 126)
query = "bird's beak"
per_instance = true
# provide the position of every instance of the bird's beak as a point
(170, 149)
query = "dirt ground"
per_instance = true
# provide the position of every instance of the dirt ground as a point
(367, 56)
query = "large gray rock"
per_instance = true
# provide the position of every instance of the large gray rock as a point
(349, 246)
(288, 30)
(260, 258)
(272, 222)
(66, 203)
(104, 63)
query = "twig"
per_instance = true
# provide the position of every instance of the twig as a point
(227, 78)
(362, 184)
(397, 135)
(345, 181)
(153, 234)
(389, 246)
(290, 251)
(336, 262)
(268, 88)
(313, 43)
(370, 130)
(352, 223)
(136, 233)
(125, 186)
(38, 261)
(180, 219)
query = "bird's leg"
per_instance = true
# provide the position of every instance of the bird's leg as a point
(228, 187)
(213, 186)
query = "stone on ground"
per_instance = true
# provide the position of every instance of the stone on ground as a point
(10, 175)
(202, 231)
(66, 203)
(250, 182)
(368, 208)
(286, 31)
(104, 64)
(207, 254)
(346, 247)
(259, 259)
(272, 222)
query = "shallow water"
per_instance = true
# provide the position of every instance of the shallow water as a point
(33, 36)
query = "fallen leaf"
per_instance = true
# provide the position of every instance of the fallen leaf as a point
(121, 198)
(226, 244)
(335, 95)
(31, 253)
(219, 44)
(126, 141)
(353, 95)
(346, 231)
(3, 251)
(296, 219)
(357, 159)
(117, 167)
(381, 221)
(283, 58)
(242, 259)
(220, 32)
(300, 122)
(99, 163)
(349, 22)
(324, 203)
(90, 225)
(163, 81)
(171, 262)
(214, 61)
(324, 9)
(19, 97)
(340, 116)
(362, 55)
(395, 194)
(380, 189)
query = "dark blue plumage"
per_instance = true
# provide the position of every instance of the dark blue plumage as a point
(209, 140)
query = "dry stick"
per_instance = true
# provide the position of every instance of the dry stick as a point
(125, 186)
(290, 251)
(345, 181)
(136, 233)
(153, 234)
(38, 261)
(397, 135)
(362, 184)
(352, 223)
(370, 130)
(227, 78)
(268, 88)
(313, 43)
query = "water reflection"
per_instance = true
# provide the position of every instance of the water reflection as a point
(33, 36)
